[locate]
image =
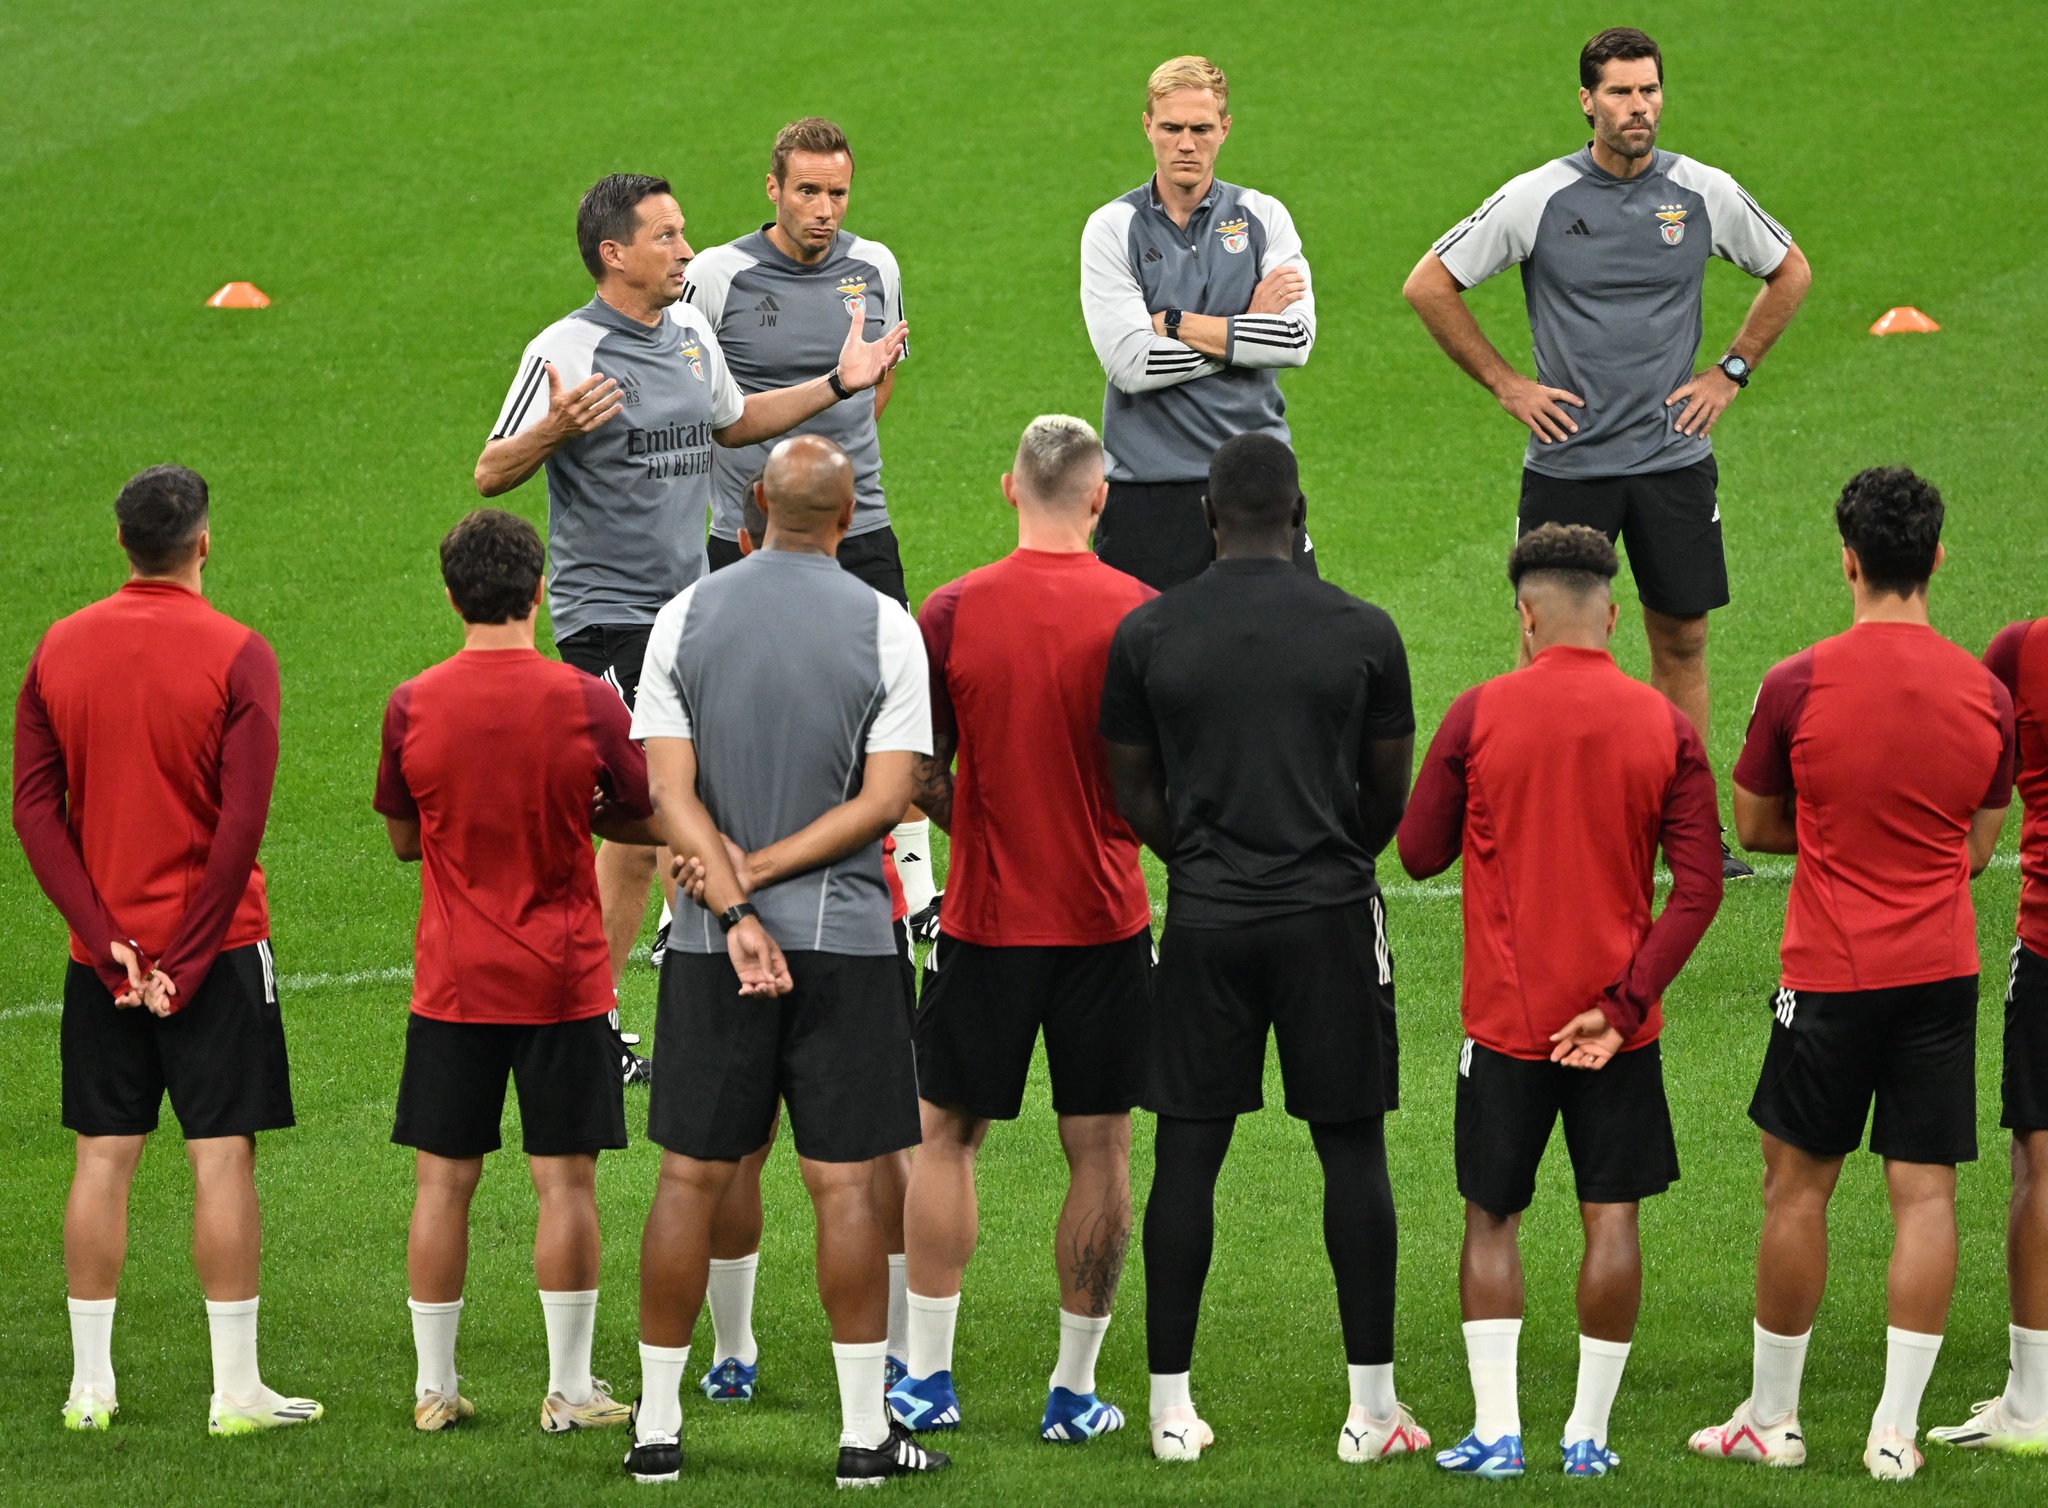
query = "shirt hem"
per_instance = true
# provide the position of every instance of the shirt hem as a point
(487, 1017)
(1000, 939)
(1654, 468)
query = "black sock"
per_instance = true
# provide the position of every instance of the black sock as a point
(1180, 1231)
(1358, 1229)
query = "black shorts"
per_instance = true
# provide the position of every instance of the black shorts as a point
(220, 1056)
(451, 1096)
(1156, 532)
(983, 1007)
(836, 1049)
(613, 654)
(1670, 522)
(1617, 1127)
(1323, 981)
(2026, 1043)
(1913, 1049)
(872, 556)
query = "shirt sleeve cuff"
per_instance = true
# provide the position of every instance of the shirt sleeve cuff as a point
(1623, 1011)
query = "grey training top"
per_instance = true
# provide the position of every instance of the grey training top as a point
(1611, 271)
(1168, 406)
(626, 502)
(786, 671)
(782, 322)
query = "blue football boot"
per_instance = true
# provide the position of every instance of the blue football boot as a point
(731, 1381)
(1073, 1417)
(1474, 1457)
(926, 1403)
(893, 1372)
(1582, 1458)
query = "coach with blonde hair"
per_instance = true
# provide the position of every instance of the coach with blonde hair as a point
(1196, 293)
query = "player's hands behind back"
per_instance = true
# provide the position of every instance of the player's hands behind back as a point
(1588, 1040)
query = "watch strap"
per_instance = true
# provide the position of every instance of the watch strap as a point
(839, 388)
(732, 916)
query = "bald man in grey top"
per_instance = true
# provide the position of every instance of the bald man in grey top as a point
(1613, 243)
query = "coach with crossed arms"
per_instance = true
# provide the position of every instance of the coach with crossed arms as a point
(1195, 292)
(1613, 242)
(627, 500)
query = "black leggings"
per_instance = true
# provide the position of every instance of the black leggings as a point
(1180, 1232)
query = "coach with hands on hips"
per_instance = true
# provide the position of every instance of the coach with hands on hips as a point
(1195, 291)
(1613, 242)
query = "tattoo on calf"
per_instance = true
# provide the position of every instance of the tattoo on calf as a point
(1100, 1246)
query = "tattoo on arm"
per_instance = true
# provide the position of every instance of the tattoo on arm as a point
(931, 779)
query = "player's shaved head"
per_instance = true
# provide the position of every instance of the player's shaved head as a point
(1570, 558)
(809, 482)
(1254, 484)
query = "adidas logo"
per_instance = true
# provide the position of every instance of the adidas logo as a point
(1154, 254)
(1577, 228)
(768, 309)
(1784, 1005)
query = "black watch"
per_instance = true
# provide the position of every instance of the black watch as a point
(1173, 317)
(840, 389)
(732, 916)
(1736, 369)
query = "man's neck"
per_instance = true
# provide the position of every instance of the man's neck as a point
(1181, 203)
(188, 578)
(1618, 166)
(634, 305)
(1890, 607)
(1255, 546)
(800, 542)
(794, 249)
(1567, 636)
(1054, 533)
(518, 634)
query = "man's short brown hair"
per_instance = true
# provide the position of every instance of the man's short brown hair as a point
(1616, 44)
(491, 563)
(813, 133)
(1578, 558)
(1189, 72)
(161, 512)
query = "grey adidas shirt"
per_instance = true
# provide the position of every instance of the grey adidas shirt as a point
(626, 502)
(786, 671)
(1168, 406)
(1612, 270)
(782, 322)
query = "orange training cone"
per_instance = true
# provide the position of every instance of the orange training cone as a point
(1905, 320)
(239, 296)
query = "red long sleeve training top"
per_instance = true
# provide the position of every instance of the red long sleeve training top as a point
(145, 748)
(2019, 658)
(1557, 784)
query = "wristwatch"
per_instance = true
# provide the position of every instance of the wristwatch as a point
(839, 389)
(1173, 317)
(732, 916)
(1736, 368)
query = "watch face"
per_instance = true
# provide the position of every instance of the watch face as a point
(1735, 367)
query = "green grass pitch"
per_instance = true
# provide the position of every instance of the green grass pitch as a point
(401, 178)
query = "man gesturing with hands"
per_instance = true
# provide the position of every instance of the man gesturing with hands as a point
(622, 402)
(1613, 242)
(783, 703)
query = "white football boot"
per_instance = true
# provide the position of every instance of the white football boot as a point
(1891, 1456)
(227, 1417)
(1180, 1435)
(1365, 1438)
(88, 1408)
(1992, 1427)
(1743, 1438)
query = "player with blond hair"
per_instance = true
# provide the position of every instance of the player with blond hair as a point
(1196, 294)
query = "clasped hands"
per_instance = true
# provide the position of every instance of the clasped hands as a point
(1588, 1040)
(151, 989)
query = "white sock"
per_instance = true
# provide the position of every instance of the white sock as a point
(572, 1319)
(1170, 1390)
(92, 1345)
(1372, 1389)
(667, 915)
(1776, 1365)
(1490, 1347)
(2026, 1389)
(1600, 1366)
(914, 863)
(863, 1420)
(930, 1323)
(899, 1308)
(1080, 1343)
(1908, 1363)
(731, 1291)
(433, 1342)
(233, 1328)
(661, 1389)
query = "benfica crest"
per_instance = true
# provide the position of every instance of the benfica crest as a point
(854, 294)
(1673, 228)
(694, 354)
(1236, 235)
